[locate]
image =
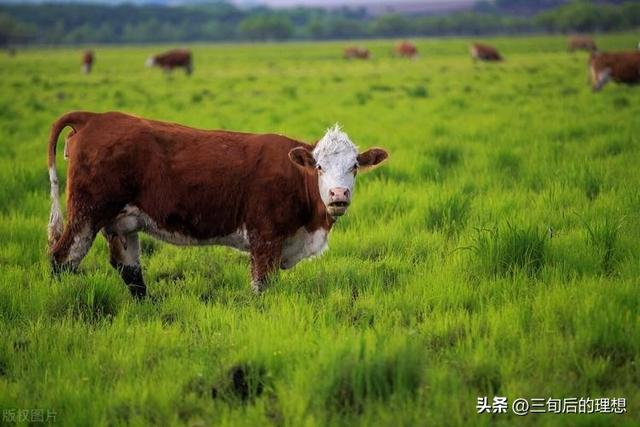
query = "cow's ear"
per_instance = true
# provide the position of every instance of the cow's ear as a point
(302, 157)
(371, 158)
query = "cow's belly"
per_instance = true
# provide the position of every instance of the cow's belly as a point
(133, 219)
(303, 244)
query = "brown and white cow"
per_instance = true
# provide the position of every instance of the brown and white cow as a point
(87, 61)
(356, 52)
(176, 58)
(621, 67)
(484, 52)
(582, 43)
(269, 195)
(406, 49)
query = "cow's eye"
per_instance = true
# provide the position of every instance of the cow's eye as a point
(319, 168)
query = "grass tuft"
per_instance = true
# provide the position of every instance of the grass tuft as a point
(510, 250)
(508, 164)
(86, 300)
(591, 183)
(369, 373)
(484, 376)
(447, 156)
(417, 92)
(242, 383)
(604, 237)
(362, 97)
(449, 215)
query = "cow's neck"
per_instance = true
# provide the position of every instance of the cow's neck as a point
(311, 238)
(319, 216)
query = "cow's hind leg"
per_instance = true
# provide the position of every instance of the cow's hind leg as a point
(124, 256)
(68, 251)
(265, 260)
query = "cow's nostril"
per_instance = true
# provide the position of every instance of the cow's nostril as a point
(331, 193)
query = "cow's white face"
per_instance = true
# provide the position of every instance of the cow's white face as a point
(150, 62)
(336, 161)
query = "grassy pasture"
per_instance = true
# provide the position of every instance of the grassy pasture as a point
(496, 253)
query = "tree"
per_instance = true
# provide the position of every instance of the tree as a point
(13, 31)
(221, 20)
(391, 25)
(266, 27)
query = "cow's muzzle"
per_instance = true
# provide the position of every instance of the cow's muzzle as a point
(339, 200)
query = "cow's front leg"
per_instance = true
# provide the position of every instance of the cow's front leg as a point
(265, 260)
(124, 255)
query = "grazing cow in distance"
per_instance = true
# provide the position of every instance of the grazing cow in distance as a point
(87, 61)
(269, 195)
(406, 49)
(484, 52)
(356, 52)
(582, 43)
(621, 67)
(171, 59)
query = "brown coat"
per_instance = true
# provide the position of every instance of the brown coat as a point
(406, 49)
(621, 67)
(356, 52)
(581, 43)
(176, 58)
(484, 52)
(87, 61)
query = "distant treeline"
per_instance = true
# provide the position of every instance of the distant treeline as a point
(221, 21)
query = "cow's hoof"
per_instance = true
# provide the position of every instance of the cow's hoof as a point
(132, 276)
(138, 292)
(258, 286)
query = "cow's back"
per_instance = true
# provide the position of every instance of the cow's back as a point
(582, 42)
(626, 68)
(174, 58)
(484, 52)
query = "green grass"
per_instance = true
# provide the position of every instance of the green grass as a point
(496, 252)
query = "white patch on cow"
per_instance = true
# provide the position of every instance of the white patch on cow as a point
(55, 218)
(131, 254)
(150, 62)
(602, 77)
(301, 245)
(258, 286)
(336, 156)
(474, 52)
(133, 219)
(85, 68)
(80, 245)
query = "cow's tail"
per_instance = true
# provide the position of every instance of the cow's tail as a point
(76, 120)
